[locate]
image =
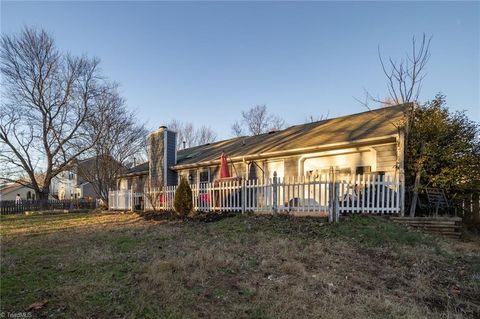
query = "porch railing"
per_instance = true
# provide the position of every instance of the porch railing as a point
(368, 193)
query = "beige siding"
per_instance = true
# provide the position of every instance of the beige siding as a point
(214, 172)
(386, 157)
(291, 166)
(378, 157)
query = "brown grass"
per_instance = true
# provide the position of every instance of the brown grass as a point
(120, 265)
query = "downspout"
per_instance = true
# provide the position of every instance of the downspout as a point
(233, 165)
(263, 171)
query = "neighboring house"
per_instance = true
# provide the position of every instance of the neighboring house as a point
(9, 191)
(85, 189)
(368, 142)
(64, 186)
(71, 184)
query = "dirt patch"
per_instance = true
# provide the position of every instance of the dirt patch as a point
(206, 217)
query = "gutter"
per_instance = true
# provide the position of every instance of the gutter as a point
(133, 174)
(362, 142)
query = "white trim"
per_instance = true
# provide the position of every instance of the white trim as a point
(201, 170)
(374, 153)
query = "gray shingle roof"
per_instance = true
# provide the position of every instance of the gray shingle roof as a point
(348, 128)
(360, 126)
(138, 169)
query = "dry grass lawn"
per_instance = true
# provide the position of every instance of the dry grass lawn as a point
(122, 266)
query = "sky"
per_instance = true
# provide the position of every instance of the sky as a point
(205, 62)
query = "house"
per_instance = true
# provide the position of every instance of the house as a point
(64, 185)
(364, 143)
(75, 182)
(9, 191)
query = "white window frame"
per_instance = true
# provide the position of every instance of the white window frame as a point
(201, 170)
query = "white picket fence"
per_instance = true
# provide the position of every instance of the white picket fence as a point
(124, 200)
(367, 193)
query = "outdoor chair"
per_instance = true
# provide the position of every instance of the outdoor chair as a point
(436, 201)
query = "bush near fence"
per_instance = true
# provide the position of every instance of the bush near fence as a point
(13, 207)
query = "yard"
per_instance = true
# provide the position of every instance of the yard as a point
(121, 265)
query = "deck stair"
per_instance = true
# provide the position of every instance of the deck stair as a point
(450, 227)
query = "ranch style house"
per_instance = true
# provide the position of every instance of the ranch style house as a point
(367, 143)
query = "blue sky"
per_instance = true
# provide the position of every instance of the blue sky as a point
(204, 62)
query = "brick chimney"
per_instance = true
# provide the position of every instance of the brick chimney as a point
(162, 154)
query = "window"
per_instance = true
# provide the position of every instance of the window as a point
(345, 170)
(204, 176)
(363, 169)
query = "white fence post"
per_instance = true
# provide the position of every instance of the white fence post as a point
(331, 217)
(274, 192)
(336, 209)
(244, 194)
(131, 199)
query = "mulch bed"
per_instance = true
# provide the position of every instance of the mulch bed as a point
(206, 217)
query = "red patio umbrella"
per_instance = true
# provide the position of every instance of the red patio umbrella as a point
(224, 171)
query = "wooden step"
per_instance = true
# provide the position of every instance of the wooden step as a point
(431, 224)
(444, 226)
(438, 219)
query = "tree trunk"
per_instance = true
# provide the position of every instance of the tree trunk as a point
(41, 195)
(416, 186)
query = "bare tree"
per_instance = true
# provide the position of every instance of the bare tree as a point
(404, 76)
(48, 96)
(237, 129)
(205, 135)
(154, 194)
(188, 133)
(404, 83)
(188, 136)
(257, 121)
(121, 139)
(312, 118)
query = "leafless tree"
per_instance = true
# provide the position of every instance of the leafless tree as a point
(237, 129)
(47, 97)
(257, 121)
(121, 138)
(205, 135)
(312, 118)
(404, 83)
(404, 76)
(153, 193)
(188, 136)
